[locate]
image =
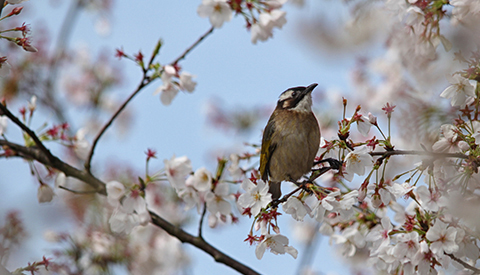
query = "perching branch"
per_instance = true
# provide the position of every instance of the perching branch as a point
(200, 243)
(419, 153)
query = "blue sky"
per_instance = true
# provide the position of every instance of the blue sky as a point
(227, 66)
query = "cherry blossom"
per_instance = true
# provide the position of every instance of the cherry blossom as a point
(356, 162)
(45, 193)
(450, 142)
(216, 200)
(256, 196)
(442, 238)
(202, 179)
(186, 82)
(460, 91)
(115, 191)
(3, 124)
(177, 170)
(296, 208)
(218, 11)
(278, 244)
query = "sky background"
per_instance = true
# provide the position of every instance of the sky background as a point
(228, 68)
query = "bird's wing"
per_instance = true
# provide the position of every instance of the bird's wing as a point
(267, 149)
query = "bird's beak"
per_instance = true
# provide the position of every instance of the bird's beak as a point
(310, 88)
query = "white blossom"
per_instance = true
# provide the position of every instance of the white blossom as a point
(296, 208)
(177, 170)
(364, 125)
(263, 28)
(460, 91)
(81, 146)
(115, 191)
(256, 196)
(45, 193)
(202, 179)
(442, 237)
(356, 162)
(3, 124)
(218, 11)
(215, 200)
(186, 82)
(450, 141)
(430, 199)
(278, 244)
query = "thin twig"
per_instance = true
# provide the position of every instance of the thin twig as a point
(202, 217)
(419, 153)
(275, 203)
(188, 50)
(4, 111)
(145, 81)
(76, 191)
(464, 264)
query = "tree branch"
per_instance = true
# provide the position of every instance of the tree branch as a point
(4, 111)
(464, 264)
(187, 51)
(145, 81)
(198, 242)
(34, 153)
(418, 153)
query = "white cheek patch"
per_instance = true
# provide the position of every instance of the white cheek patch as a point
(285, 95)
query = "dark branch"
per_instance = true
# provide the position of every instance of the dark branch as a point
(5, 111)
(419, 153)
(464, 264)
(187, 51)
(142, 84)
(145, 81)
(198, 242)
(34, 153)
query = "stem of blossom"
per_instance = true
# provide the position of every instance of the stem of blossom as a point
(202, 217)
(381, 132)
(200, 243)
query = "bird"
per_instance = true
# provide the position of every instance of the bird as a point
(290, 139)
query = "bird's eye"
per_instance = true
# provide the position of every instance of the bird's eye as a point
(294, 93)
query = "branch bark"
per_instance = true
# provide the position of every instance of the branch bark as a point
(200, 243)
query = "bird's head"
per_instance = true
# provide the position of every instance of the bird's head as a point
(297, 99)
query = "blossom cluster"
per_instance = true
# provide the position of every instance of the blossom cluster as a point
(261, 26)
